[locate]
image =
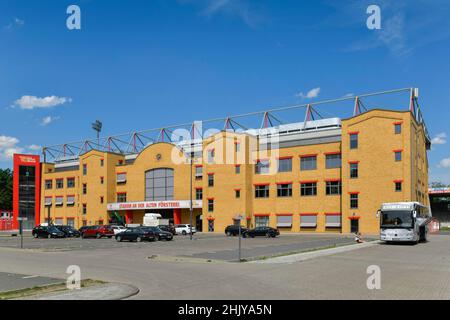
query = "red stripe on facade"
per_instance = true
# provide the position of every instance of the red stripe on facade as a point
(354, 132)
(309, 214)
(262, 214)
(284, 214)
(288, 182)
(261, 184)
(332, 153)
(309, 181)
(285, 158)
(334, 214)
(307, 155)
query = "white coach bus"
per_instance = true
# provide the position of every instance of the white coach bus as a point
(404, 222)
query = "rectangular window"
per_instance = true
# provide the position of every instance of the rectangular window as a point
(237, 147)
(59, 200)
(210, 180)
(102, 162)
(237, 193)
(353, 141)
(308, 163)
(398, 156)
(262, 191)
(102, 180)
(70, 182)
(398, 128)
(84, 169)
(199, 194)
(284, 190)
(308, 189)
(70, 200)
(121, 177)
(84, 188)
(48, 201)
(59, 183)
(398, 186)
(262, 167)
(354, 170)
(198, 172)
(354, 197)
(284, 221)
(210, 205)
(333, 161)
(308, 221)
(71, 222)
(333, 221)
(102, 199)
(48, 184)
(211, 155)
(122, 197)
(237, 169)
(333, 188)
(285, 165)
(262, 221)
(84, 208)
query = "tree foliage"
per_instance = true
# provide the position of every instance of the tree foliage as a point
(6, 189)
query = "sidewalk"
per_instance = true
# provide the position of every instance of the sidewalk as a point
(316, 254)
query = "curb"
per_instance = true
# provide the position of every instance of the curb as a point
(300, 257)
(109, 291)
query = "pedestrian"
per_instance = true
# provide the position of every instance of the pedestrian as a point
(358, 237)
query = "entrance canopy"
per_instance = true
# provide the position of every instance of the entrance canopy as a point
(145, 205)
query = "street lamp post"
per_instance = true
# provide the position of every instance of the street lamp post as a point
(191, 207)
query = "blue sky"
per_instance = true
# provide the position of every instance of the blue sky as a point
(144, 64)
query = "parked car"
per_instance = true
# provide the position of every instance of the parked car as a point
(47, 232)
(136, 234)
(159, 233)
(118, 229)
(98, 232)
(81, 230)
(169, 228)
(233, 230)
(69, 231)
(262, 232)
(184, 229)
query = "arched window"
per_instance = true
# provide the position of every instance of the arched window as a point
(159, 185)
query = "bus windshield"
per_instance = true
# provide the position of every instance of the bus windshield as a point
(397, 219)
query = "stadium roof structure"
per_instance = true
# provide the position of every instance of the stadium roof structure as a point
(132, 143)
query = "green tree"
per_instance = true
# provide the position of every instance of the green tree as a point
(438, 184)
(6, 189)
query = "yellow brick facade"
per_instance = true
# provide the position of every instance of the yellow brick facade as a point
(378, 173)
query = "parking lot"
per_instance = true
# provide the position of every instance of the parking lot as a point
(203, 246)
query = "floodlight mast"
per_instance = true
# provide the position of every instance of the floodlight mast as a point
(97, 126)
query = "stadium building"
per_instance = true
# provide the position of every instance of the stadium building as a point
(319, 175)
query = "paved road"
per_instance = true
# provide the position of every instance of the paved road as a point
(205, 246)
(12, 281)
(407, 272)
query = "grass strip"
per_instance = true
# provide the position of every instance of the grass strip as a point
(38, 290)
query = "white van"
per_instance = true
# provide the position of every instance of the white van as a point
(154, 220)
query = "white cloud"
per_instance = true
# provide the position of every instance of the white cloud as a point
(313, 93)
(441, 138)
(445, 163)
(34, 147)
(32, 102)
(248, 12)
(16, 23)
(8, 147)
(47, 120)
